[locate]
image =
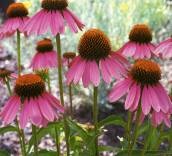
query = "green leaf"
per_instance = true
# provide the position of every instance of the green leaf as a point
(112, 120)
(8, 129)
(42, 132)
(4, 153)
(78, 129)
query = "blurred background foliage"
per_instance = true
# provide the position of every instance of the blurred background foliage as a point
(115, 17)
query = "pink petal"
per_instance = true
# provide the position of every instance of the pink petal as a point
(146, 101)
(54, 102)
(155, 101)
(86, 75)
(104, 70)
(34, 112)
(136, 99)
(24, 115)
(10, 110)
(46, 109)
(131, 96)
(119, 90)
(94, 73)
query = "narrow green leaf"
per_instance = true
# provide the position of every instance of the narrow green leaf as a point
(112, 120)
(8, 129)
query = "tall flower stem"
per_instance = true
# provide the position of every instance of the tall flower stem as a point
(128, 129)
(158, 143)
(70, 94)
(18, 53)
(20, 132)
(66, 127)
(70, 99)
(55, 128)
(35, 140)
(135, 131)
(48, 81)
(147, 140)
(95, 118)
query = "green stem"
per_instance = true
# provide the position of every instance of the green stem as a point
(95, 118)
(57, 141)
(8, 85)
(159, 140)
(55, 128)
(136, 130)
(18, 53)
(129, 127)
(66, 127)
(70, 99)
(20, 132)
(35, 140)
(147, 140)
(48, 81)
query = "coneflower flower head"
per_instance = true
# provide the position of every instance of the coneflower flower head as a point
(17, 10)
(17, 16)
(139, 45)
(53, 16)
(95, 54)
(142, 84)
(33, 103)
(94, 45)
(45, 56)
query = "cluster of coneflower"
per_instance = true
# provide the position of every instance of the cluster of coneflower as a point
(30, 102)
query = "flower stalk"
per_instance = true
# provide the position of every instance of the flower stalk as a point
(35, 140)
(131, 145)
(95, 118)
(66, 127)
(18, 53)
(55, 128)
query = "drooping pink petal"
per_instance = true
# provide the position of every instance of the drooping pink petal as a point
(154, 99)
(165, 102)
(119, 90)
(146, 101)
(70, 21)
(46, 109)
(104, 71)
(128, 49)
(94, 73)
(79, 71)
(34, 112)
(135, 104)
(54, 102)
(24, 115)
(57, 23)
(10, 109)
(86, 75)
(73, 69)
(131, 96)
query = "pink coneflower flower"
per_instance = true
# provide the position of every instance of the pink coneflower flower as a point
(95, 52)
(17, 17)
(142, 84)
(164, 49)
(45, 57)
(139, 45)
(158, 118)
(68, 57)
(32, 101)
(54, 16)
